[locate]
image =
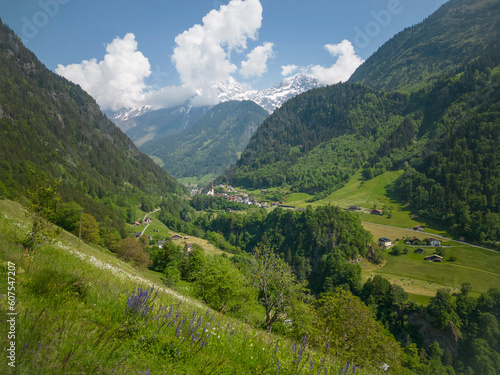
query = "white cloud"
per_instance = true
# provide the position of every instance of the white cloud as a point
(256, 63)
(118, 80)
(347, 62)
(169, 96)
(288, 70)
(202, 54)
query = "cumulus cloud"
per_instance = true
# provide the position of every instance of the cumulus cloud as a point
(118, 80)
(256, 63)
(287, 70)
(347, 62)
(202, 53)
(169, 96)
(202, 56)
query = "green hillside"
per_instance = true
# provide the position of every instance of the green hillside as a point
(107, 316)
(318, 139)
(52, 127)
(456, 34)
(212, 144)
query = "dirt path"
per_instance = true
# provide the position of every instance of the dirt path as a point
(145, 216)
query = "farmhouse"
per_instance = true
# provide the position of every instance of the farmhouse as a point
(161, 243)
(176, 237)
(419, 227)
(384, 242)
(434, 242)
(419, 251)
(148, 220)
(189, 247)
(354, 208)
(434, 258)
(137, 234)
(377, 212)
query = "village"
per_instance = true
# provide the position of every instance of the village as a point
(231, 194)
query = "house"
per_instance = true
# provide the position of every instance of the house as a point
(148, 220)
(263, 191)
(137, 234)
(413, 241)
(419, 251)
(189, 247)
(354, 208)
(137, 223)
(176, 237)
(434, 242)
(419, 227)
(377, 212)
(384, 242)
(161, 243)
(434, 258)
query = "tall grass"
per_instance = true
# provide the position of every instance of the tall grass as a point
(81, 311)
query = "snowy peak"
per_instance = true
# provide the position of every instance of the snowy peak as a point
(270, 98)
(128, 114)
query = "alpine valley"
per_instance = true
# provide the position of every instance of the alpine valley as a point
(344, 229)
(167, 134)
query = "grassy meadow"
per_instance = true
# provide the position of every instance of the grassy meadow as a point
(80, 310)
(421, 278)
(371, 194)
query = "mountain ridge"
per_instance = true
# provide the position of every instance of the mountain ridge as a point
(454, 35)
(58, 130)
(213, 143)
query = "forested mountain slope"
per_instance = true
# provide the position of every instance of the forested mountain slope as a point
(52, 127)
(316, 140)
(444, 134)
(212, 144)
(452, 36)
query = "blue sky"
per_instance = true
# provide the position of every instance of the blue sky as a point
(156, 55)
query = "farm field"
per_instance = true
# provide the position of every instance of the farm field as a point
(418, 277)
(374, 193)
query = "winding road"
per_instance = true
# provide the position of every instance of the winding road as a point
(145, 216)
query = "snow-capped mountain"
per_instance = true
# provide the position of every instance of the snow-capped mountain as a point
(270, 98)
(143, 124)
